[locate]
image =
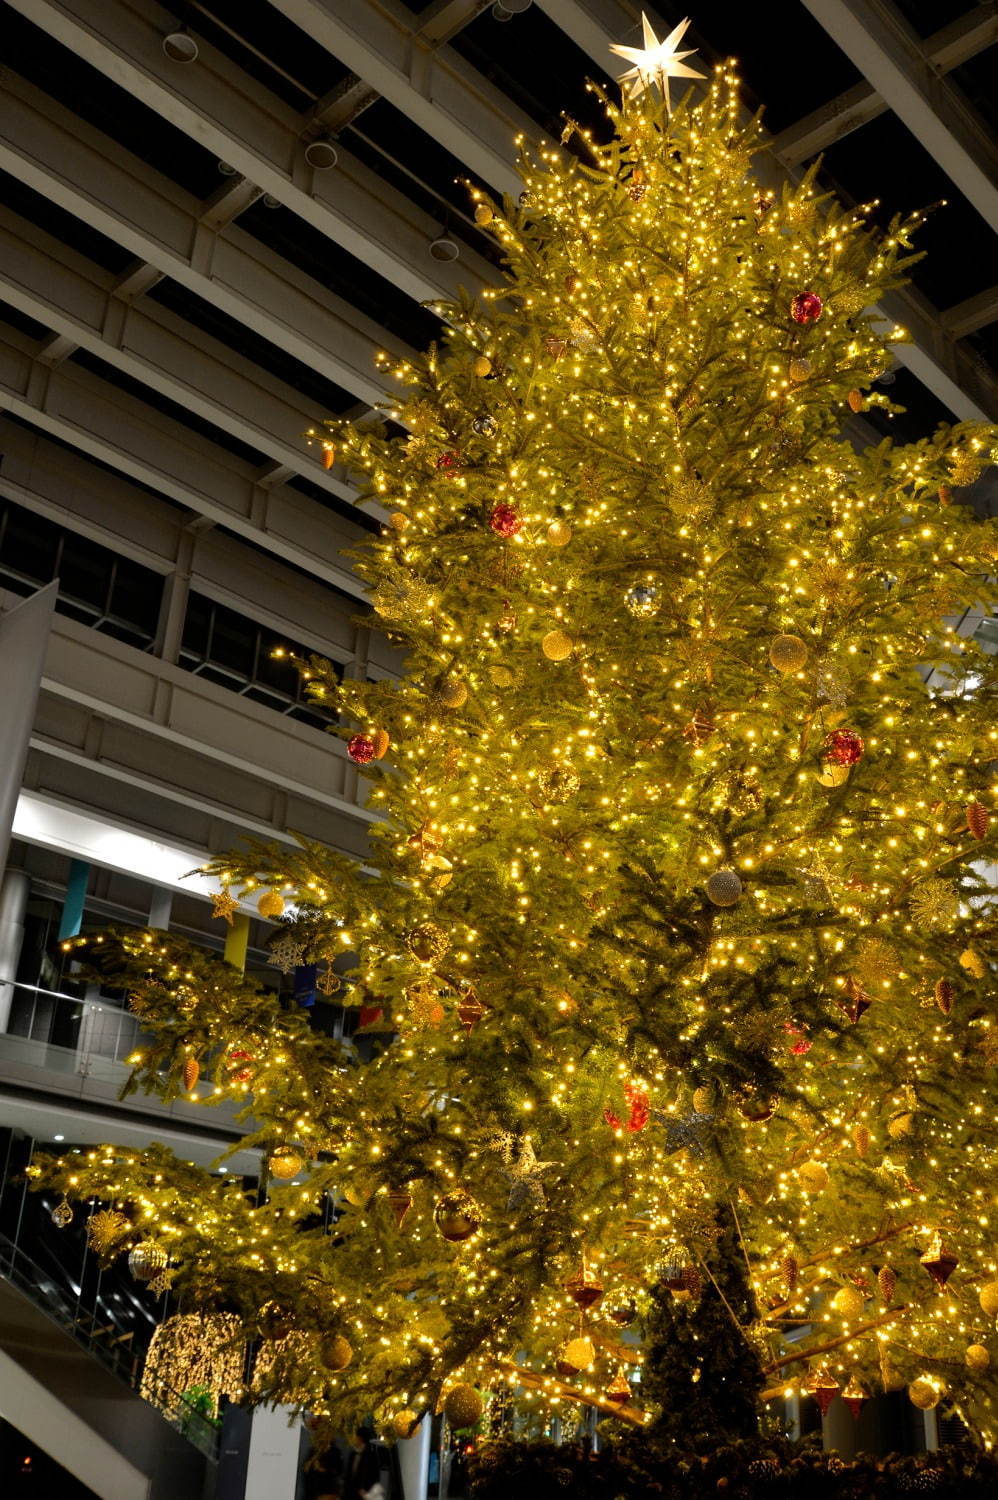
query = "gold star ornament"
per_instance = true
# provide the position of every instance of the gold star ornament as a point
(223, 905)
(656, 62)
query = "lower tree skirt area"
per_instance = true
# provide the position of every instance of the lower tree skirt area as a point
(634, 1470)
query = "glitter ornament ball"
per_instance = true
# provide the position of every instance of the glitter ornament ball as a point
(482, 366)
(504, 520)
(271, 903)
(453, 693)
(485, 425)
(988, 1298)
(428, 943)
(556, 645)
(559, 533)
(463, 1406)
(335, 1352)
(843, 747)
(799, 370)
(812, 1176)
(924, 1394)
(806, 308)
(643, 600)
(976, 1358)
(788, 653)
(848, 1302)
(286, 1162)
(360, 749)
(723, 888)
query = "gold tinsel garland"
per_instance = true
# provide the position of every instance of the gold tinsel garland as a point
(191, 1350)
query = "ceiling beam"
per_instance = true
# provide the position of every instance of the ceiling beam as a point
(971, 314)
(946, 49)
(95, 418)
(382, 42)
(78, 301)
(168, 230)
(262, 138)
(874, 35)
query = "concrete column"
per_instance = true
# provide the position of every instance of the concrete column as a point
(24, 633)
(272, 1470)
(160, 908)
(414, 1461)
(13, 905)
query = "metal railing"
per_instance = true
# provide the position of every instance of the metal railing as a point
(71, 1033)
(101, 1340)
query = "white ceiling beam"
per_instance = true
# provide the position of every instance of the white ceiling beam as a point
(971, 314)
(81, 409)
(876, 38)
(262, 138)
(946, 49)
(171, 234)
(381, 41)
(77, 301)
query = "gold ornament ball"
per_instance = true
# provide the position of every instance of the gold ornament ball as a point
(901, 1125)
(973, 963)
(578, 1353)
(988, 1298)
(976, 1358)
(813, 1176)
(502, 677)
(456, 1219)
(336, 1353)
(833, 775)
(271, 905)
(147, 1260)
(285, 1162)
(428, 943)
(556, 645)
(463, 1406)
(924, 1393)
(404, 1422)
(800, 370)
(703, 1099)
(848, 1301)
(723, 888)
(482, 366)
(788, 653)
(454, 693)
(483, 215)
(559, 533)
(398, 520)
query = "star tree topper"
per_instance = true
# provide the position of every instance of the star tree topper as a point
(656, 62)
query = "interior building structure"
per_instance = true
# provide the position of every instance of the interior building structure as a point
(214, 215)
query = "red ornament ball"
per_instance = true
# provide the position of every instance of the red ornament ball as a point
(450, 461)
(360, 749)
(843, 747)
(806, 307)
(504, 520)
(640, 1111)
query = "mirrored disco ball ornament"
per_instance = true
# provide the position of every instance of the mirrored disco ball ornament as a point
(643, 600)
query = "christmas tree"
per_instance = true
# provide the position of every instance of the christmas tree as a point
(676, 945)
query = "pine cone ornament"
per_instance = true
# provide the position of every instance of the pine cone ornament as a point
(861, 1140)
(977, 819)
(790, 1271)
(192, 1072)
(944, 996)
(887, 1282)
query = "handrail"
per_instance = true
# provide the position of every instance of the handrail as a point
(16, 1266)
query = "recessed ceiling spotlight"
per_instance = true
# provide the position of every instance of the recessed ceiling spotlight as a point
(269, 201)
(505, 10)
(180, 46)
(444, 248)
(322, 155)
(226, 169)
(58, 1137)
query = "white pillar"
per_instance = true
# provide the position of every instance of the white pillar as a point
(931, 1429)
(24, 633)
(414, 1461)
(275, 1442)
(13, 905)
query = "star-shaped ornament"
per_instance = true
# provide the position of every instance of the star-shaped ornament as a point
(523, 1171)
(656, 62)
(223, 905)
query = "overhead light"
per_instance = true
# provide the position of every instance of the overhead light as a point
(505, 10)
(444, 248)
(322, 155)
(180, 46)
(58, 1137)
(227, 169)
(269, 201)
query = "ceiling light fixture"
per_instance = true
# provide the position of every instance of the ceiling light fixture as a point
(443, 248)
(180, 47)
(322, 155)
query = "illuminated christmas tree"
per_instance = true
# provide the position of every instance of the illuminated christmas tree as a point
(677, 942)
